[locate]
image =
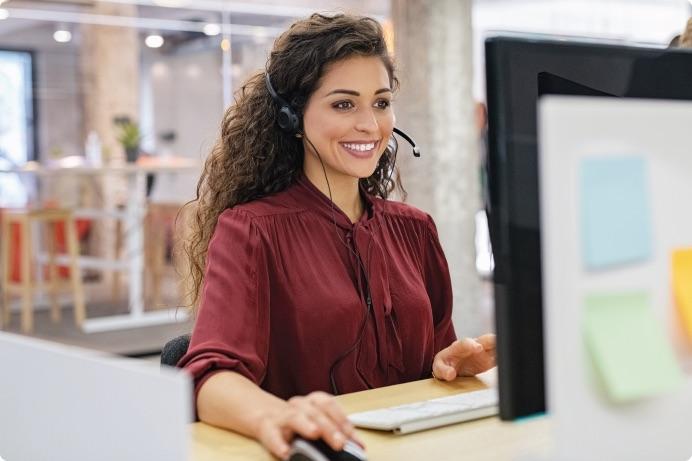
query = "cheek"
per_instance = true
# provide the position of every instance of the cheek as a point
(327, 131)
(387, 123)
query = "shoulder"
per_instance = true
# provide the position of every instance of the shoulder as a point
(391, 209)
(274, 205)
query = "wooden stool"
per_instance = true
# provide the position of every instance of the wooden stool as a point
(24, 219)
(160, 221)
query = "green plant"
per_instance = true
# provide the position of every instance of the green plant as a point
(129, 135)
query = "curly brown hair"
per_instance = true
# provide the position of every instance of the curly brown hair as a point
(253, 157)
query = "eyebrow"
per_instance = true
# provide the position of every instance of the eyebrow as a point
(355, 93)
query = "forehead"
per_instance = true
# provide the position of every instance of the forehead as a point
(360, 73)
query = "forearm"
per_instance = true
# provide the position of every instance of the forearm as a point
(230, 400)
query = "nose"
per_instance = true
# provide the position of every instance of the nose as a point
(367, 121)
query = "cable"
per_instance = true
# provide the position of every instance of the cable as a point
(368, 299)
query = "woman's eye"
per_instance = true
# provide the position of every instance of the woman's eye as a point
(383, 104)
(342, 105)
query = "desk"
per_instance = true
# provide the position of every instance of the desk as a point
(487, 439)
(133, 216)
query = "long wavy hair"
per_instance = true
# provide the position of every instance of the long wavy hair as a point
(253, 157)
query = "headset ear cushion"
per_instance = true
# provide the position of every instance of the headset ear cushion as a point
(285, 120)
(288, 120)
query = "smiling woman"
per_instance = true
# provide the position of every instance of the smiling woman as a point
(308, 280)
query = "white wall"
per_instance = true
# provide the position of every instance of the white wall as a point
(645, 21)
(182, 93)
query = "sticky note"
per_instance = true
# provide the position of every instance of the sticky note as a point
(614, 207)
(682, 287)
(628, 347)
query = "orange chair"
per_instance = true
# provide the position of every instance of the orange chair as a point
(21, 221)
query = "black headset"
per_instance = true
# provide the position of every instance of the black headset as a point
(290, 121)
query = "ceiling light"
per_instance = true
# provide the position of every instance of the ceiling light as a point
(225, 44)
(154, 41)
(4, 14)
(62, 36)
(212, 29)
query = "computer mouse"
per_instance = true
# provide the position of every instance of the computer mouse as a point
(318, 450)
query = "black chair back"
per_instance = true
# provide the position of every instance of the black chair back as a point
(174, 350)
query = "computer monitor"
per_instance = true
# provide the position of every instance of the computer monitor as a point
(520, 69)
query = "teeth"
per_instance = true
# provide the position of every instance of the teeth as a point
(360, 147)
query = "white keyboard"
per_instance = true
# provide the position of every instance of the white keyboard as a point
(418, 416)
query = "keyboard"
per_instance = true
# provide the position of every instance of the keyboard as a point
(418, 416)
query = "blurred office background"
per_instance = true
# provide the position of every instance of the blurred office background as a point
(82, 82)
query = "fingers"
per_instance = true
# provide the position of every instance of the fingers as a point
(319, 416)
(487, 341)
(444, 372)
(328, 405)
(455, 359)
(465, 347)
(275, 439)
(315, 416)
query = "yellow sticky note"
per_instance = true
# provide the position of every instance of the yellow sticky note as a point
(682, 287)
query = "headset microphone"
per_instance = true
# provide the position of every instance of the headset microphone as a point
(416, 150)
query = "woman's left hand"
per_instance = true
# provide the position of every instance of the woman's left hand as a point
(465, 357)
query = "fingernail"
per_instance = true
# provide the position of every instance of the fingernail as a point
(339, 438)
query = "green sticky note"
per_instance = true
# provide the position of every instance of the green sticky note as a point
(628, 347)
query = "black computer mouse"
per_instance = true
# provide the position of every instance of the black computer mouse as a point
(319, 450)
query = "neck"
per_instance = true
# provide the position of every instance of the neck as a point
(344, 190)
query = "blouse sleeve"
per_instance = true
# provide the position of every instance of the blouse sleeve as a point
(232, 327)
(439, 287)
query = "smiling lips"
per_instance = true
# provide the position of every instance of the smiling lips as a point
(360, 149)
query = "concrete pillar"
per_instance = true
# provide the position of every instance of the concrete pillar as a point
(110, 75)
(432, 48)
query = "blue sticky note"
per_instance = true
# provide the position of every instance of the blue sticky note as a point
(615, 217)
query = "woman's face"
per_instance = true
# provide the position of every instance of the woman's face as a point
(349, 118)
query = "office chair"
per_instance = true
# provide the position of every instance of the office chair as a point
(174, 350)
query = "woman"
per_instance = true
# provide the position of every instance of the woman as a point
(313, 283)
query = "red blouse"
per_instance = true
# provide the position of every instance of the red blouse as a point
(284, 296)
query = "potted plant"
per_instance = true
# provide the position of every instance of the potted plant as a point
(129, 137)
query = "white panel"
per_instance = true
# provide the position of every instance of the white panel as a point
(586, 426)
(59, 403)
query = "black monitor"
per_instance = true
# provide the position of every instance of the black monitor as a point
(518, 71)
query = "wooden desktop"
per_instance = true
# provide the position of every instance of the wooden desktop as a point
(486, 439)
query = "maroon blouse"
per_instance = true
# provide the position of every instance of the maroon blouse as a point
(284, 296)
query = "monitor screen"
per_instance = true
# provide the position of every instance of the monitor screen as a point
(518, 71)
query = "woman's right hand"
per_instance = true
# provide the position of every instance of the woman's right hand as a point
(314, 416)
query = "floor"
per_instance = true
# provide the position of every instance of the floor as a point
(137, 342)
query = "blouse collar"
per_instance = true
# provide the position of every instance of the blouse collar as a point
(313, 198)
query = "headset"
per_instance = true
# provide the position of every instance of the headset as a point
(289, 120)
